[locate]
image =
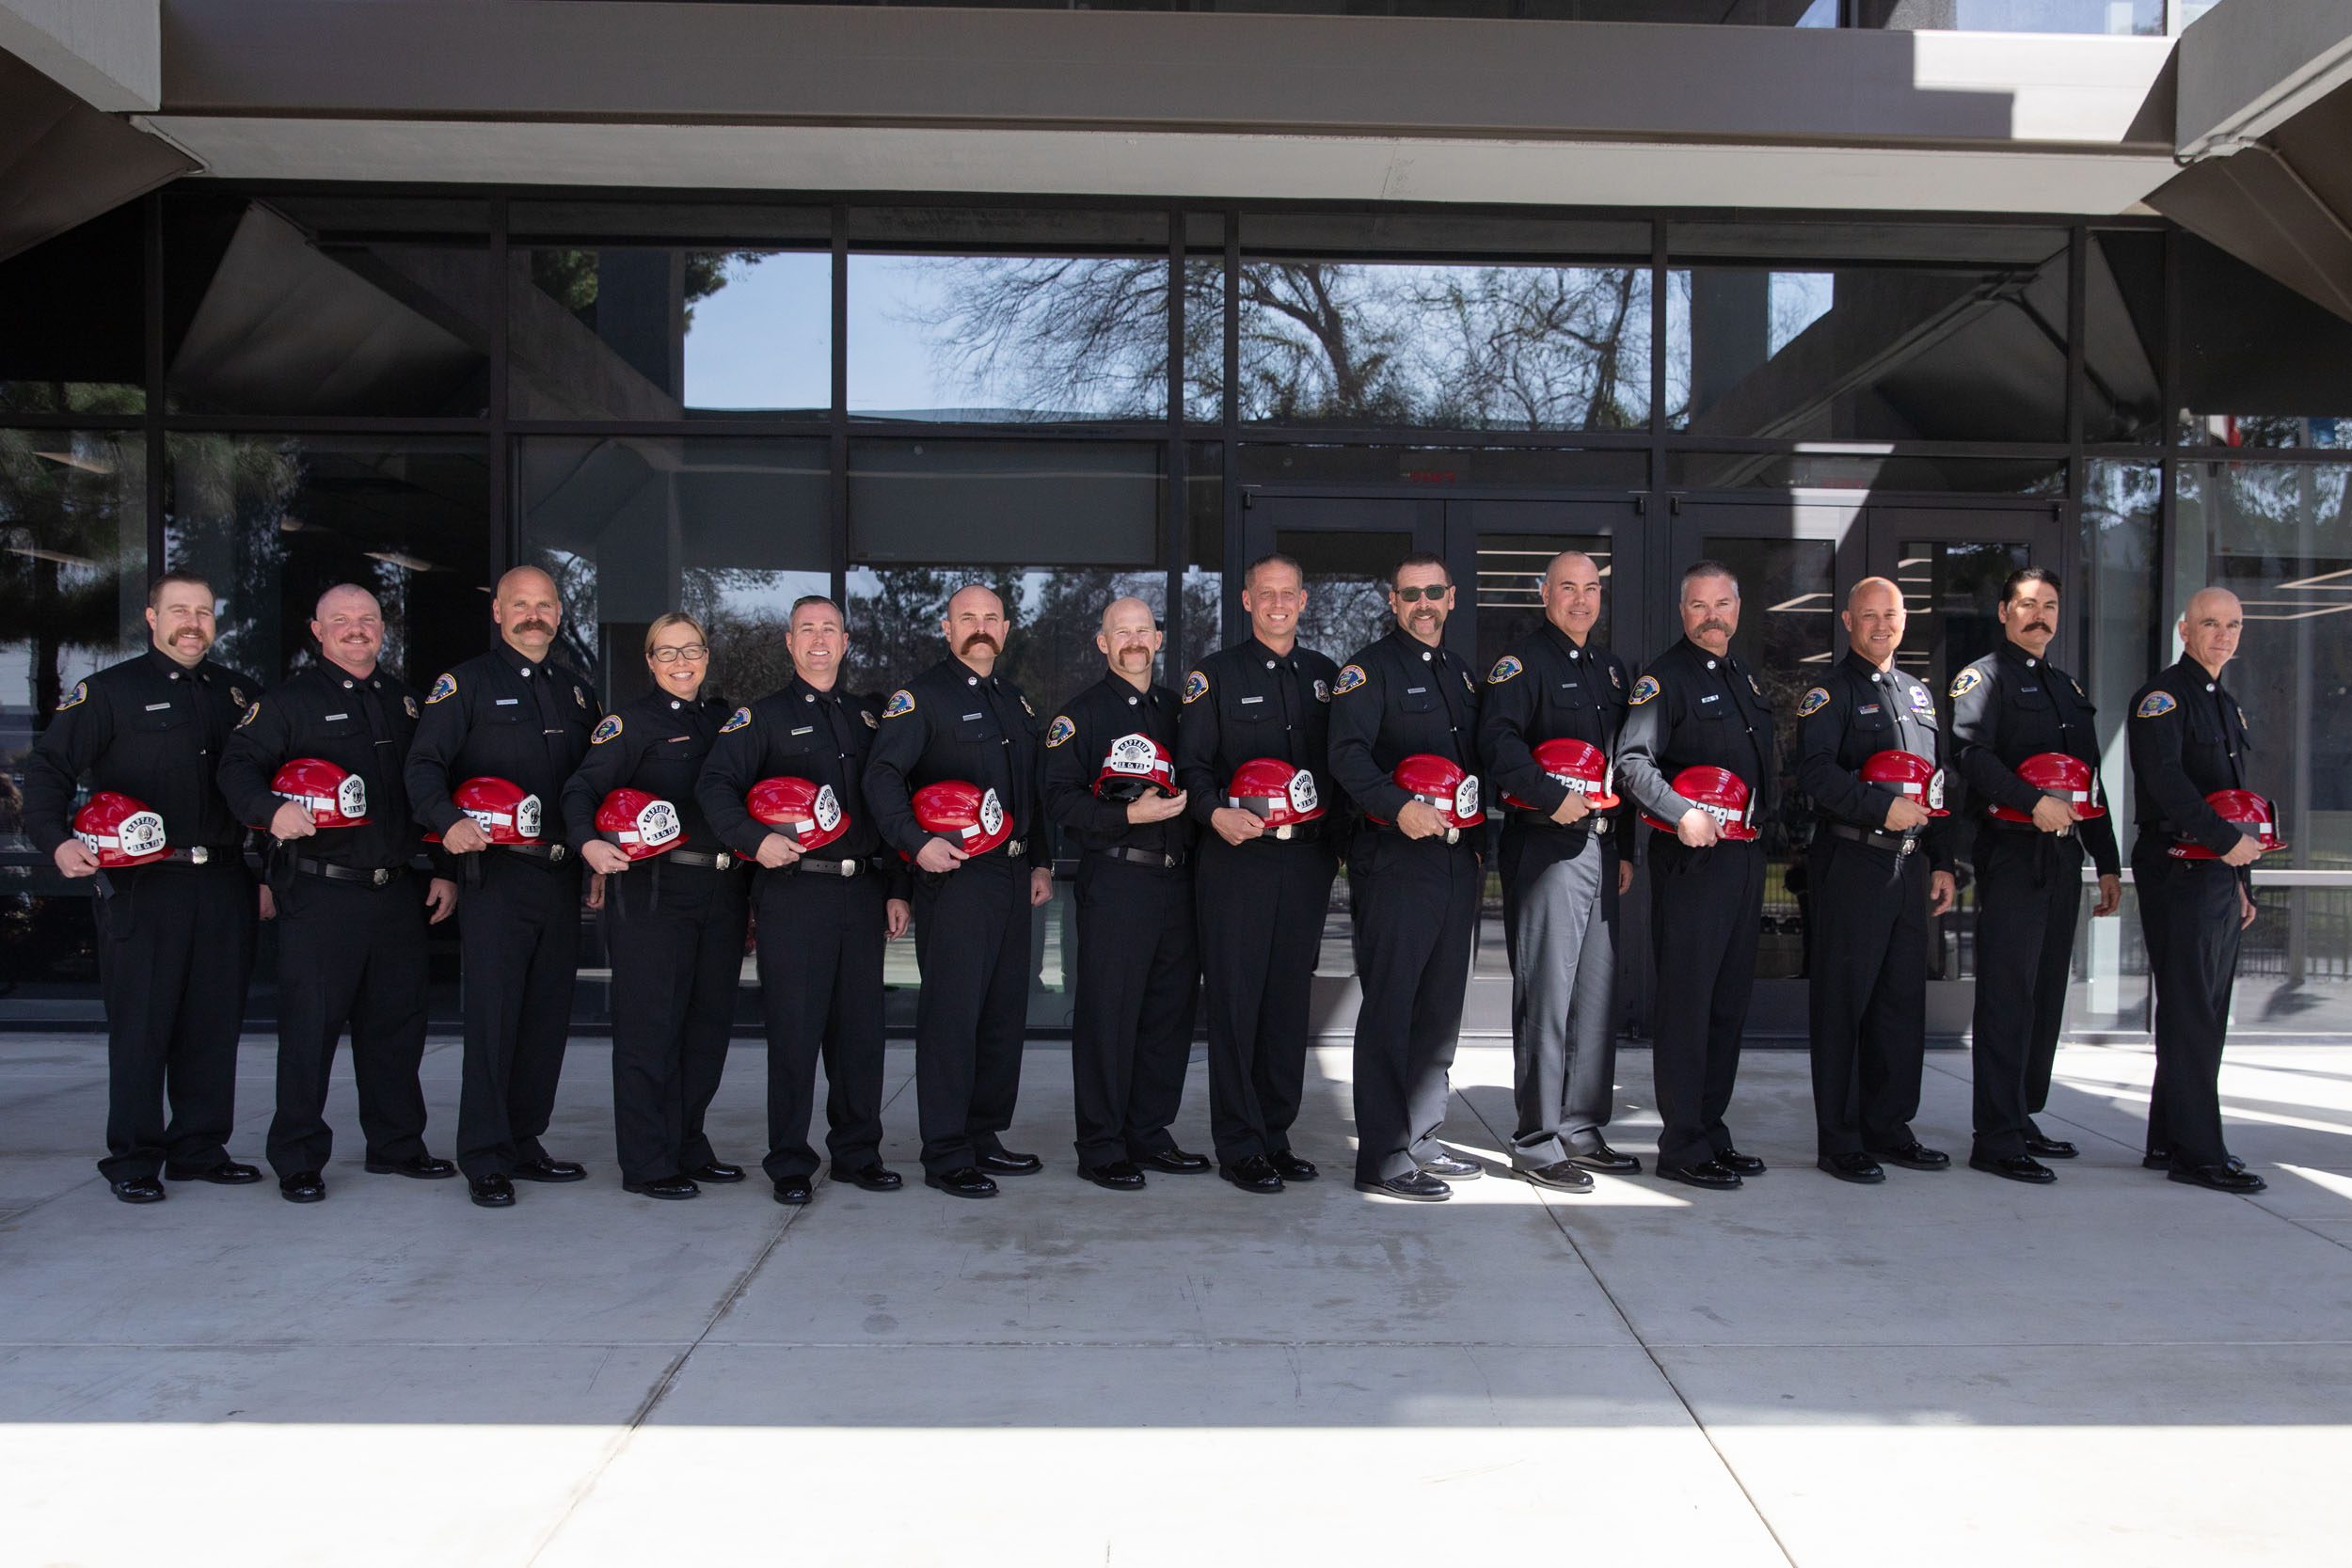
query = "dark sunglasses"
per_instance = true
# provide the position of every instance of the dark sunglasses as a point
(1414, 595)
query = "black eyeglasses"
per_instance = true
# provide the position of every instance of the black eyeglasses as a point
(693, 653)
(1414, 594)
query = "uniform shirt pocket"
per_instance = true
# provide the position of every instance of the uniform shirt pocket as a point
(156, 717)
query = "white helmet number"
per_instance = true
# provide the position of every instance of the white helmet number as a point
(1301, 790)
(991, 813)
(828, 809)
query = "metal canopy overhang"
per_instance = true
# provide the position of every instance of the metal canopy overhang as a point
(62, 161)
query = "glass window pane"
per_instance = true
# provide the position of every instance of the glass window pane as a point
(2121, 504)
(72, 584)
(1421, 466)
(2278, 535)
(644, 333)
(1202, 624)
(2124, 338)
(2144, 18)
(1204, 339)
(1069, 502)
(1346, 575)
(2261, 366)
(1459, 347)
(1813, 470)
(73, 320)
(1034, 339)
(263, 315)
(1910, 333)
(730, 530)
(1508, 598)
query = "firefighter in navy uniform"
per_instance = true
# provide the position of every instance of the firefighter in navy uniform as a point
(823, 912)
(176, 935)
(1416, 872)
(2188, 741)
(1697, 706)
(1881, 870)
(2010, 708)
(1137, 969)
(351, 943)
(510, 713)
(673, 922)
(1565, 867)
(1260, 896)
(961, 721)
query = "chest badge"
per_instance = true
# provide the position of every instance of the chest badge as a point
(410, 703)
(1815, 700)
(1197, 686)
(1322, 690)
(579, 696)
(1965, 682)
(1351, 677)
(741, 719)
(902, 703)
(1060, 731)
(1644, 689)
(607, 727)
(1757, 689)
(1616, 677)
(2155, 706)
(236, 696)
(1026, 708)
(444, 688)
(871, 723)
(1921, 702)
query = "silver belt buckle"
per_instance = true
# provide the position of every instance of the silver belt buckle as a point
(199, 855)
(1012, 848)
(379, 877)
(845, 868)
(722, 861)
(555, 853)
(1909, 845)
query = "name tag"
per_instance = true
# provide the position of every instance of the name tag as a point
(1712, 697)
(969, 717)
(1246, 701)
(332, 717)
(507, 702)
(675, 738)
(1415, 690)
(1867, 707)
(157, 708)
(2029, 688)
(805, 729)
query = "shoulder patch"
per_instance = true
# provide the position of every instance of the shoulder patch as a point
(1644, 689)
(2155, 706)
(1195, 686)
(76, 697)
(1965, 682)
(1351, 677)
(1060, 731)
(1813, 702)
(250, 713)
(607, 727)
(902, 703)
(741, 718)
(410, 703)
(1504, 669)
(444, 688)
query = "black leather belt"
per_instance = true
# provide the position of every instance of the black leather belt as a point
(201, 854)
(831, 868)
(378, 876)
(1521, 818)
(1903, 844)
(1142, 857)
(553, 854)
(722, 860)
(1297, 833)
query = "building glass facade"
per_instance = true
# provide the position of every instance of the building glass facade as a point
(722, 403)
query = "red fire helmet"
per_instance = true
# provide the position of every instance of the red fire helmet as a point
(333, 798)
(1136, 766)
(2245, 809)
(641, 825)
(1911, 776)
(2071, 778)
(806, 813)
(1720, 793)
(1579, 767)
(120, 831)
(505, 813)
(1272, 789)
(969, 817)
(1444, 785)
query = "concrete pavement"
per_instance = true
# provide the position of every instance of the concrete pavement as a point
(1938, 1371)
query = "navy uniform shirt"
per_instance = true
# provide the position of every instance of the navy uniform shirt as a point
(363, 725)
(1395, 699)
(1247, 701)
(953, 722)
(149, 729)
(2188, 739)
(797, 732)
(499, 716)
(1546, 688)
(2009, 705)
(1695, 709)
(1858, 711)
(1076, 743)
(656, 743)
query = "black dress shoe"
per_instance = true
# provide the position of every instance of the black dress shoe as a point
(965, 1182)
(674, 1188)
(1006, 1162)
(1565, 1175)
(1851, 1167)
(1453, 1167)
(1176, 1161)
(2042, 1148)
(1739, 1164)
(873, 1176)
(1600, 1157)
(718, 1171)
(227, 1174)
(1291, 1167)
(792, 1191)
(2017, 1167)
(1255, 1174)
(2221, 1178)
(1416, 1187)
(303, 1186)
(1120, 1176)
(422, 1168)
(491, 1192)
(1914, 1155)
(2157, 1158)
(1712, 1174)
(137, 1189)
(550, 1170)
